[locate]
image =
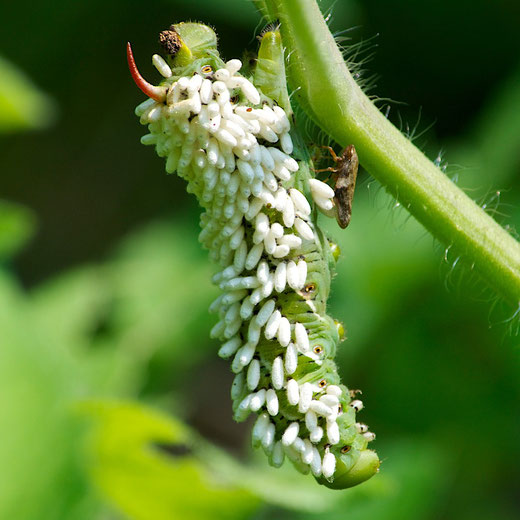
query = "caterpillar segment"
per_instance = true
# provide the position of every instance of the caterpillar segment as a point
(233, 139)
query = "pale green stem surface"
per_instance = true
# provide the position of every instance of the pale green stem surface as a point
(331, 97)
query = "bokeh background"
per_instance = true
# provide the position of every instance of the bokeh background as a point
(113, 403)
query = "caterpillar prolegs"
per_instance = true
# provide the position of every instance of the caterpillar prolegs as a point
(231, 137)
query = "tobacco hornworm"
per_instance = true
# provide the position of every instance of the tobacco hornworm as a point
(233, 139)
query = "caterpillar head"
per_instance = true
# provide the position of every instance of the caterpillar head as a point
(352, 467)
(191, 48)
(186, 42)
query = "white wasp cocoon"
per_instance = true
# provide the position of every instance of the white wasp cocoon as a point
(271, 400)
(290, 434)
(254, 255)
(298, 445)
(163, 68)
(262, 272)
(284, 331)
(293, 276)
(308, 452)
(311, 420)
(316, 462)
(272, 325)
(302, 338)
(303, 229)
(265, 312)
(278, 455)
(259, 429)
(328, 465)
(334, 390)
(246, 309)
(320, 408)
(277, 373)
(293, 392)
(333, 432)
(280, 277)
(324, 204)
(305, 397)
(291, 359)
(316, 434)
(257, 400)
(229, 347)
(268, 438)
(253, 374)
(329, 400)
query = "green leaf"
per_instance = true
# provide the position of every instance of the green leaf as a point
(22, 105)
(40, 475)
(135, 316)
(146, 484)
(16, 228)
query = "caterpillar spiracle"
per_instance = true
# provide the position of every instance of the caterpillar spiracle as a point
(231, 136)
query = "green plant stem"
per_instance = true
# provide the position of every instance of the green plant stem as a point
(331, 97)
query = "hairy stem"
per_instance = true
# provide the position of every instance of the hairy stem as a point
(331, 97)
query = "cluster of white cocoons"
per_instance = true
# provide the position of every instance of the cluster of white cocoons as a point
(236, 158)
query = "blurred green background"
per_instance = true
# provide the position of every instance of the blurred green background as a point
(113, 403)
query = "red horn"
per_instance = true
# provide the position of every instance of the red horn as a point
(157, 93)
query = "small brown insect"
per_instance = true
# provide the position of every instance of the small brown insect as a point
(344, 174)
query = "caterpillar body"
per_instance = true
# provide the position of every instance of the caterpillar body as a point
(231, 138)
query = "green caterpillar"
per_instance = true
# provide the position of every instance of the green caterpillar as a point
(232, 138)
